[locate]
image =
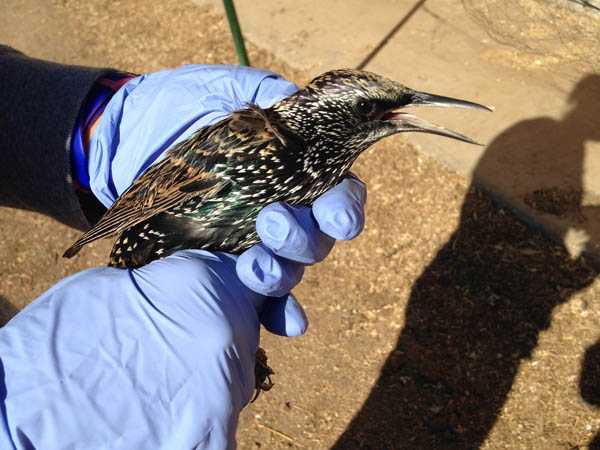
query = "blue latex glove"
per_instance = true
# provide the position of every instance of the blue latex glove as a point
(157, 357)
(153, 112)
(163, 356)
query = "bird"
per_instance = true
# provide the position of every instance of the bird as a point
(208, 189)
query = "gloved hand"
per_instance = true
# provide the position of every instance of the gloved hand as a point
(153, 112)
(163, 356)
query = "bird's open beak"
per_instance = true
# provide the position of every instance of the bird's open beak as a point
(407, 122)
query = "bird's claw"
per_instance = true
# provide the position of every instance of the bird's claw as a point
(262, 373)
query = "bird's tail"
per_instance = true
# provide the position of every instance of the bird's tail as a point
(72, 250)
(84, 239)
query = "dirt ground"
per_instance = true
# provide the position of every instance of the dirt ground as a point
(448, 324)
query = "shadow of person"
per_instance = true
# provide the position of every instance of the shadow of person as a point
(475, 313)
(589, 383)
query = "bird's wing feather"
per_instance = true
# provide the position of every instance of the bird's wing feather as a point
(159, 189)
(190, 169)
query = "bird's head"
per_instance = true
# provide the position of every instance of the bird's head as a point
(343, 112)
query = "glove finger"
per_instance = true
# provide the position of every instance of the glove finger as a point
(284, 316)
(340, 211)
(266, 273)
(291, 232)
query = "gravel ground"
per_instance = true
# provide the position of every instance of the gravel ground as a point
(448, 324)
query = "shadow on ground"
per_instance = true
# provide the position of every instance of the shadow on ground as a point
(477, 310)
(7, 310)
(589, 383)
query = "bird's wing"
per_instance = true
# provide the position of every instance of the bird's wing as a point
(190, 169)
(160, 188)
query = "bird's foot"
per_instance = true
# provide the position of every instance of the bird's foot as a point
(262, 373)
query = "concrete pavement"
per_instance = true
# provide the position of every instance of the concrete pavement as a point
(543, 145)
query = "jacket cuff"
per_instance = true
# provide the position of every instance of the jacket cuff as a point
(39, 106)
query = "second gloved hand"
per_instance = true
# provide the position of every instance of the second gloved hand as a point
(162, 356)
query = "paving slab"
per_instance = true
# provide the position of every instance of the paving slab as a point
(534, 61)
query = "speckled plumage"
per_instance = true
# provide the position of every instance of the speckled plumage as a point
(207, 192)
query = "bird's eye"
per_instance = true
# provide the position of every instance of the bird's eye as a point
(364, 107)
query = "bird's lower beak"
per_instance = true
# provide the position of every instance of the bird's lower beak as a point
(407, 122)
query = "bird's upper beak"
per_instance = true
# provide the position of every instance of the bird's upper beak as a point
(407, 122)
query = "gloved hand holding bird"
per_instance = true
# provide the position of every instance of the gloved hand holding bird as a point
(208, 190)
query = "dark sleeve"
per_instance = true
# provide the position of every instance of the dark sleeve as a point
(39, 104)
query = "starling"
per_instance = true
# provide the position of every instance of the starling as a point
(208, 190)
